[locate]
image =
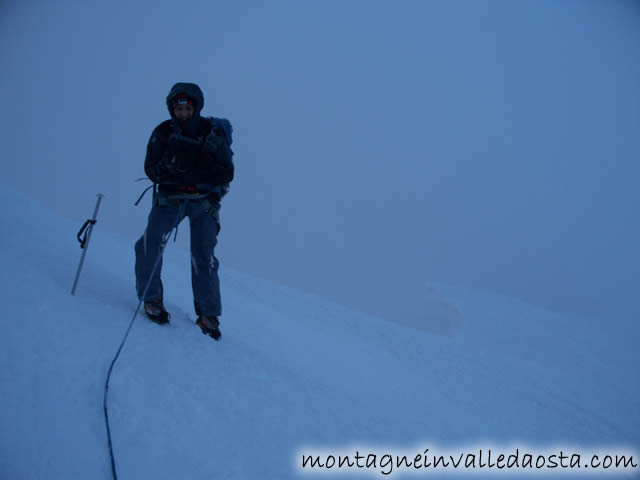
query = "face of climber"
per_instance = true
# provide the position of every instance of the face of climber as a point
(183, 111)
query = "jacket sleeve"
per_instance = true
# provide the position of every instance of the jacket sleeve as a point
(217, 167)
(157, 162)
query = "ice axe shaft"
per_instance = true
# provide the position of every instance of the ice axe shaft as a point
(87, 228)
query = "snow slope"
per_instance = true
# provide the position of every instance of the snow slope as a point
(292, 370)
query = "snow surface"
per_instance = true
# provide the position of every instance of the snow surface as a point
(292, 370)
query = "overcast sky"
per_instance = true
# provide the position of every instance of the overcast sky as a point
(378, 145)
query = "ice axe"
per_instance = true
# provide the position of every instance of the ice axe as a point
(87, 229)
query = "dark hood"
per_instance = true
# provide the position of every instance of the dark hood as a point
(192, 91)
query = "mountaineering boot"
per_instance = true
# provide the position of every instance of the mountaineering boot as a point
(156, 312)
(209, 326)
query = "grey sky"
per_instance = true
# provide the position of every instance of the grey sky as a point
(379, 145)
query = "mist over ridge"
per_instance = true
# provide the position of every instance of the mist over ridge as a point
(379, 147)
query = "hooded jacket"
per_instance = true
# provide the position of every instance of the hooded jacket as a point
(194, 153)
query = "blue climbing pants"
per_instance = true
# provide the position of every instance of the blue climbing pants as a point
(204, 222)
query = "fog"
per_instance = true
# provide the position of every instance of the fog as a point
(379, 146)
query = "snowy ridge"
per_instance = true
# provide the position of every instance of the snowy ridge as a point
(291, 369)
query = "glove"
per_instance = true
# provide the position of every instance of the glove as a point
(160, 162)
(214, 143)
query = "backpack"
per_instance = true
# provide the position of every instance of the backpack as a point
(224, 125)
